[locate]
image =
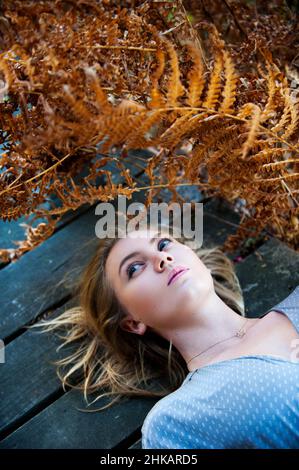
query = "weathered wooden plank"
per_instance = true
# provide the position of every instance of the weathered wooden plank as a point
(220, 221)
(267, 276)
(12, 231)
(32, 284)
(28, 378)
(62, 425)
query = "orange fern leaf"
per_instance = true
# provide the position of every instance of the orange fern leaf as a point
(294, 117)
(215, 83)
(195, 76)
(122, 123)
(253, 128)
(175, 87)
(142, 138)
(276, 165)
(157, 99)
(76, 104)
(101, 98)
(229, 92)
(291, 176)
(285, 92)
(197, 157)
(245, 111)
(174, 134)
(272, 90)
(8, 75)
(266, 155)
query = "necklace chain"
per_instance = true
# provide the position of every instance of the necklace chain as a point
(240, 333)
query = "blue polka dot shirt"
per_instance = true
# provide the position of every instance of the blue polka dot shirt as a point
(249, 402)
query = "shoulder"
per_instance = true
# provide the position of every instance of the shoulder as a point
(177, 429)
(163, 421)
(174, 424)
(164, 429)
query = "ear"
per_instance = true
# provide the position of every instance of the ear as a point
(133, 326)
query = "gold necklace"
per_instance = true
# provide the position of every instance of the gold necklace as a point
(240, 333)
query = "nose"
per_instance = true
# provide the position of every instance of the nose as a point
(164, 261)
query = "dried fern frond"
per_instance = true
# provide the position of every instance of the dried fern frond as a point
(196, 77)
(74, 96)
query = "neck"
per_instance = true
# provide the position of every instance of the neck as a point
(214, 321)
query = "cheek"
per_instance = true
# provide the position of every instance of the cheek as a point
(142, 295)
(146, 297)
(136, 297)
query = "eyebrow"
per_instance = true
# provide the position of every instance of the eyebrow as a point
(136, 252)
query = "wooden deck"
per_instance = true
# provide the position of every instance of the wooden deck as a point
(35, 412)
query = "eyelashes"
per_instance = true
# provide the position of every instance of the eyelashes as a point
(129, 271)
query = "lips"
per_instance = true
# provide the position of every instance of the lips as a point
(174, 272)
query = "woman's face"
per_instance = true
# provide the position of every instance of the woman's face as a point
(141, 282)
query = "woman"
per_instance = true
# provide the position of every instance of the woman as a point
(232, 382)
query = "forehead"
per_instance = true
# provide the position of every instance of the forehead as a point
(143, 234)
(134, 239)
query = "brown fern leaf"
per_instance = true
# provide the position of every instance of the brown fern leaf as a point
(195, 76)
(245, 111)
(24, 60)
(116, 58)
(291, 176)
(143, 137)
(175, 87)
(136, 123)
(157, 99)
(9, 75)
(277, 165)
(101, 102)
(270, 108)
(174, 134)
(253, 129)
(294, 118)
(214, 35)
(195, 160)
(285, 92)
(222, 134)
(125, 172)
(266, 155)
(214, 88)
(229, 91)
(77, 105)
(35, 236)
(153, 163)
(110, 127)
(122, 123)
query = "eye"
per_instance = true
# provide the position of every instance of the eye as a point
(129, 268)
(162, 240)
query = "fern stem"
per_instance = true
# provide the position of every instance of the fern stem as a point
(130, 48)
(199, 183)
(278, 178)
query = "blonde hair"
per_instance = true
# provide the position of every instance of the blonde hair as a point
(104, 356)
